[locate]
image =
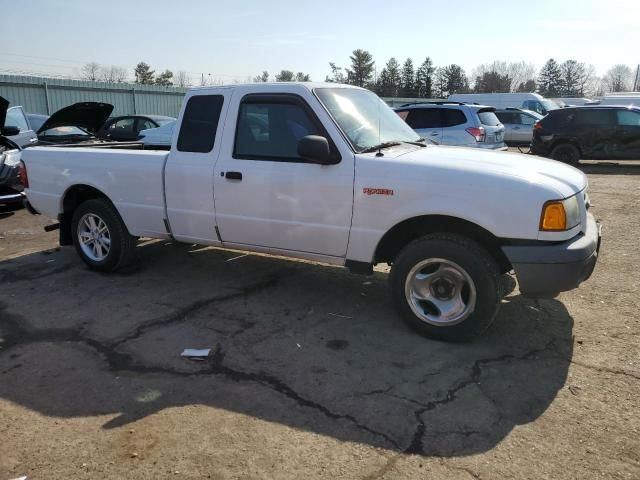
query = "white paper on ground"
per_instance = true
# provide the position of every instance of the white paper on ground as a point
(195, 352)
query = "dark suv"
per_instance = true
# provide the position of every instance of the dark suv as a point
(593, 132)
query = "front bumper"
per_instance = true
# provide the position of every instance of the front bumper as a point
(546, 270)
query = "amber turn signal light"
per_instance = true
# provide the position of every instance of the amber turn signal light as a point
(553, 218)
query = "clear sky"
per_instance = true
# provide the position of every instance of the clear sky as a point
(234, 40)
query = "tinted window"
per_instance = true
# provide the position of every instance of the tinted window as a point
(15, 118)
(453, 117)
(424, 118)
(272, 130)
(594, 117)
(199, 123)
(628, 118)
(558, 118)
(488, 118)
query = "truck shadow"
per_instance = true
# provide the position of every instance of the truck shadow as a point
(306, 346)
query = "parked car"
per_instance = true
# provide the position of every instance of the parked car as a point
(127, 128)
(589, 132)
(25, 135)
(527, 101)
(158, 138)
(330, 173)
(36, 120)
(10, 186)
(518, 125)
(457, 124)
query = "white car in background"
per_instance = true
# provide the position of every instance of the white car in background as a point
(160, 137)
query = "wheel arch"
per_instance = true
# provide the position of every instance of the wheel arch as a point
(413, 228)
(71, 199)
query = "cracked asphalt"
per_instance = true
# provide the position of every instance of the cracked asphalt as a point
(312, 374)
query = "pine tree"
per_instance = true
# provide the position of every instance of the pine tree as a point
(550, 79)
(424, 79)
(408, 79)
(144, 74)
(361, 68)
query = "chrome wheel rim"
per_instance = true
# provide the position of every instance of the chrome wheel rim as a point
(94, 237)
(440, 292)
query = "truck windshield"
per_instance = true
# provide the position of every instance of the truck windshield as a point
(364, 118)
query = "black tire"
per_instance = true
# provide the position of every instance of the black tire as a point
(566, 153)
(121, 252)
(478, 265)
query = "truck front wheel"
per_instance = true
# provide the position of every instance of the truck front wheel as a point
(446, 287)
(100, 236)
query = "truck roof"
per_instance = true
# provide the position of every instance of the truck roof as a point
(266, 86)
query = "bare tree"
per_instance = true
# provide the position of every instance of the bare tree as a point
(517, 72)
(90, 71)
(618, 78)
(113, 74)
(181, 79)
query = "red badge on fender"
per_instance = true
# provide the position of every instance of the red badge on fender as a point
(377, 191)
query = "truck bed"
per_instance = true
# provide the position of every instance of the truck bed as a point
(132, 179)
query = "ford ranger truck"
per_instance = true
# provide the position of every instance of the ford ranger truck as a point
(329, 173)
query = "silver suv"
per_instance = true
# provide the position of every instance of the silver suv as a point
(453, 123)
(518, 124)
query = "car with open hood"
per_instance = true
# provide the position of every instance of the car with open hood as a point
(10, 187)
(77, 123)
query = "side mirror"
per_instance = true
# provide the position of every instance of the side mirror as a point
(315, 148)
(10, 131)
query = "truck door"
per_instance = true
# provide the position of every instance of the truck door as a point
(189, 168)
(266, 195)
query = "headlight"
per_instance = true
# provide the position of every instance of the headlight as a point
(560, 215)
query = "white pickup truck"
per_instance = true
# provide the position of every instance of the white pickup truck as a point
(329, 173)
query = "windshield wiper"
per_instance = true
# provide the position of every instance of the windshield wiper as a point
(380, 146)
(419, 142)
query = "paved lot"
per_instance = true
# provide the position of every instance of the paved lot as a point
(312, 373)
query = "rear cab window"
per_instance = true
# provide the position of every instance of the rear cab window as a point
(200, 123)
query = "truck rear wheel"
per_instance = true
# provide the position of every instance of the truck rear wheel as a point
(100, 236)
(446, 287)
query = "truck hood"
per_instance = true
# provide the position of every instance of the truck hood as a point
(566, 180)
(87, 115)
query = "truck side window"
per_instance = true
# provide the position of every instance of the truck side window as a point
(199, 123)
(271, 130)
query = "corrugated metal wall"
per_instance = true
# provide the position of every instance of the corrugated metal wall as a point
(46, 95)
